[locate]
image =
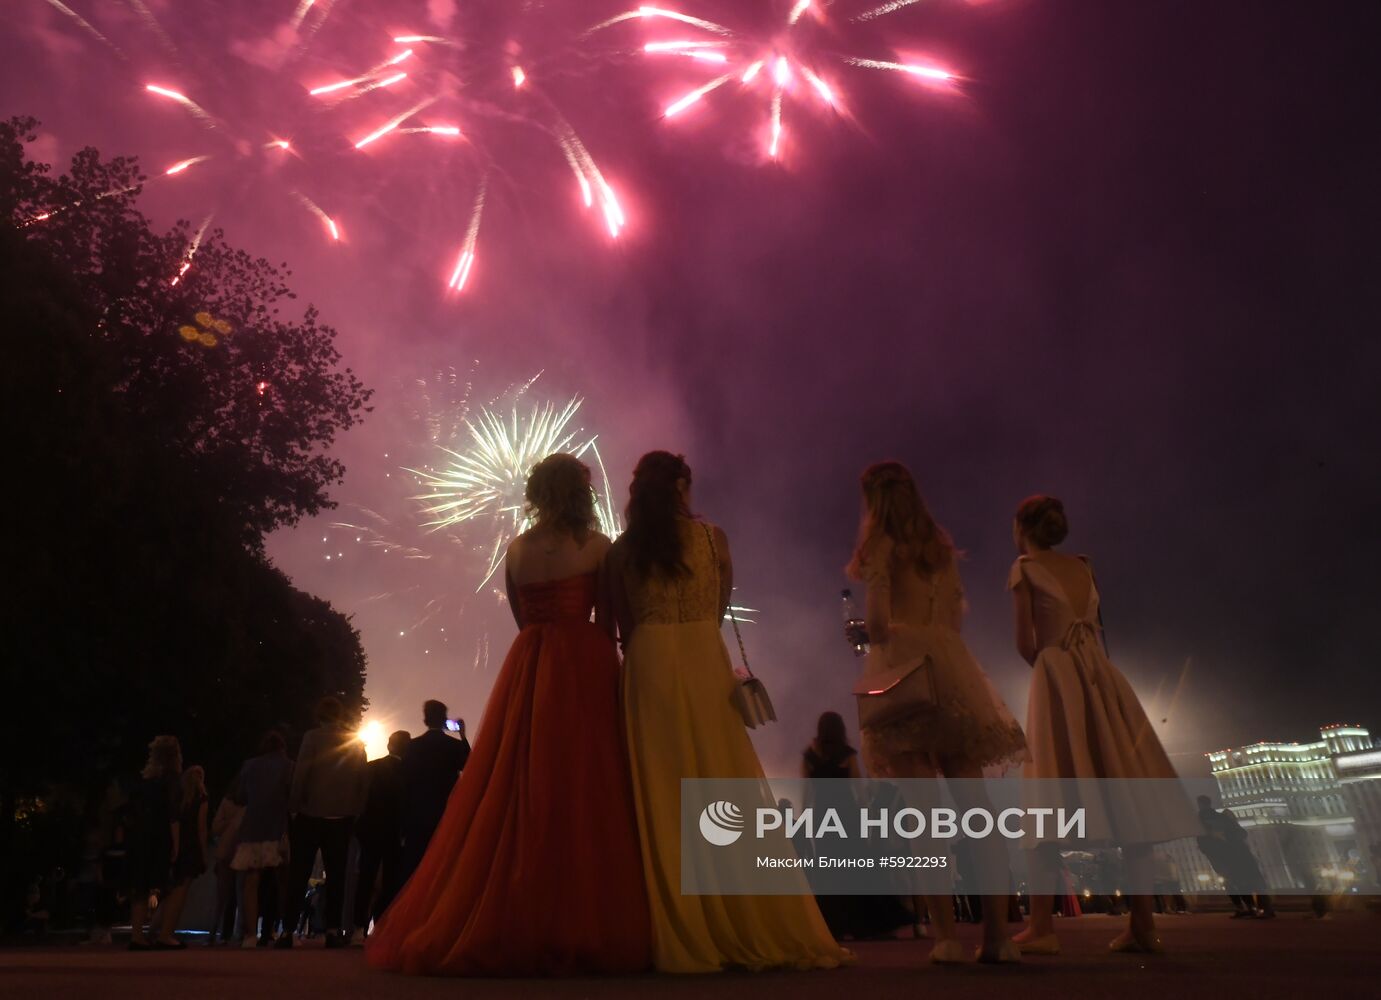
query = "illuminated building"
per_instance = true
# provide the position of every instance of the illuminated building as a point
(1311, 810)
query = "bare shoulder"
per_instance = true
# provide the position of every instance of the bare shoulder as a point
(514, 553)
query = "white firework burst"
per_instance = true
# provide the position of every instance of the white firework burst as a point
(485, 483)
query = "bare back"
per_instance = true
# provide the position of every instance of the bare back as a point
(1070, 572)
(541, 554)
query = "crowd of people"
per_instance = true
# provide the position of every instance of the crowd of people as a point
(531, 870)
(279, 824)
(544, 861)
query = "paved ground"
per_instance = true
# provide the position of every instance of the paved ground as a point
(1209, 956)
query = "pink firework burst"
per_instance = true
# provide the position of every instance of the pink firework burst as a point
(422, 117)
(465, 103)
(796, 60)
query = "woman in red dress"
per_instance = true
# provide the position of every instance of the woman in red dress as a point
(535, 868)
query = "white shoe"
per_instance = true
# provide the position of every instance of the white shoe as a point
(949, 952)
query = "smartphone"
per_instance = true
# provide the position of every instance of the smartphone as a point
(455, 726)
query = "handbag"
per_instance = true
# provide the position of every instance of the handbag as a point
(750, 695)
(897, 680)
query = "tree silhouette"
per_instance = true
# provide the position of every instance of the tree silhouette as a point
(158, 430)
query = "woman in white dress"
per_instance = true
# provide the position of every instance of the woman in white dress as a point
(1084, 721)
(915, 599)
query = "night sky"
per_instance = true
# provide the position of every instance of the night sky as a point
(1131, 261)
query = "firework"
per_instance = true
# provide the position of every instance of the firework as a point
(273, 110)
(485, 483)
(800, 67)
(445, 70)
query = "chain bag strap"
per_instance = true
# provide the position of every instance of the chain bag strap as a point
(750, 695)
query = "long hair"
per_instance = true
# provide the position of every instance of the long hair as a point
(830, 735)
(558, 496)
(653, 535)
(165, 758)
(894, 508)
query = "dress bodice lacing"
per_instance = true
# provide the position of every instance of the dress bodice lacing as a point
(569, 599)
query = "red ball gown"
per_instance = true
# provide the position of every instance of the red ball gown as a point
(535, 868)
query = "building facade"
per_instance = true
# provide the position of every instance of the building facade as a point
(1312, 811)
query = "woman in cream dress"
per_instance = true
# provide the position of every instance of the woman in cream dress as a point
(671, 577)
(915, 602)
(1084, 721)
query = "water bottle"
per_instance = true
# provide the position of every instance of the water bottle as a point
(854, 625)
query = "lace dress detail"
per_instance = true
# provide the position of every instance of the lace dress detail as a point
(691, 597)
(968, 723)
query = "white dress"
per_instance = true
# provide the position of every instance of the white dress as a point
(1084, 721)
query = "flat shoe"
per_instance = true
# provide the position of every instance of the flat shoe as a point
(949, 952)
(1128, 943)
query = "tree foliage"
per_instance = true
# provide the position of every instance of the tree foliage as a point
(159, 430)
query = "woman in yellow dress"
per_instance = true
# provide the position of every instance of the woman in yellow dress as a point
(671, 577)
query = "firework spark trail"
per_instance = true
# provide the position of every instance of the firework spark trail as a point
(884, 9)
(466, 261)
(800, 8)
(175, 95)
(152, 24)
(685, 101)
(300, 13)
(182, 165)
(927, 72)
(315, 209)
(85, 25)
(658, 12)
(371, 78)
(394, 122)
(191, 251)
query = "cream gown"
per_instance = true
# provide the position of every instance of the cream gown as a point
(1083, 720)
(681, 723)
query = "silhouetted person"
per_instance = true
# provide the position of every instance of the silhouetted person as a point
(328, 793)
(380, 833)
(1224, 843)
(431, 765)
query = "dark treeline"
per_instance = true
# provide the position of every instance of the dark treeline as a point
(158, 430)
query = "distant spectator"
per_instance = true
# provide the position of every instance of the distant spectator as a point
(153, 837)
(264, 784)
(1224, 843)
(225, 835)
(191, 855)
(328, 792)
(431, 766)
(380, 833)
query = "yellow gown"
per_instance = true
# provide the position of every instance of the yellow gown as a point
(677, 689)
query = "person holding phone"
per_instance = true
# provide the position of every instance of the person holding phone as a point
(431, 764)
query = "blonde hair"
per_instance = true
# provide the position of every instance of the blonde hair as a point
(165, 758)
(895, 509)
(559, 496)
